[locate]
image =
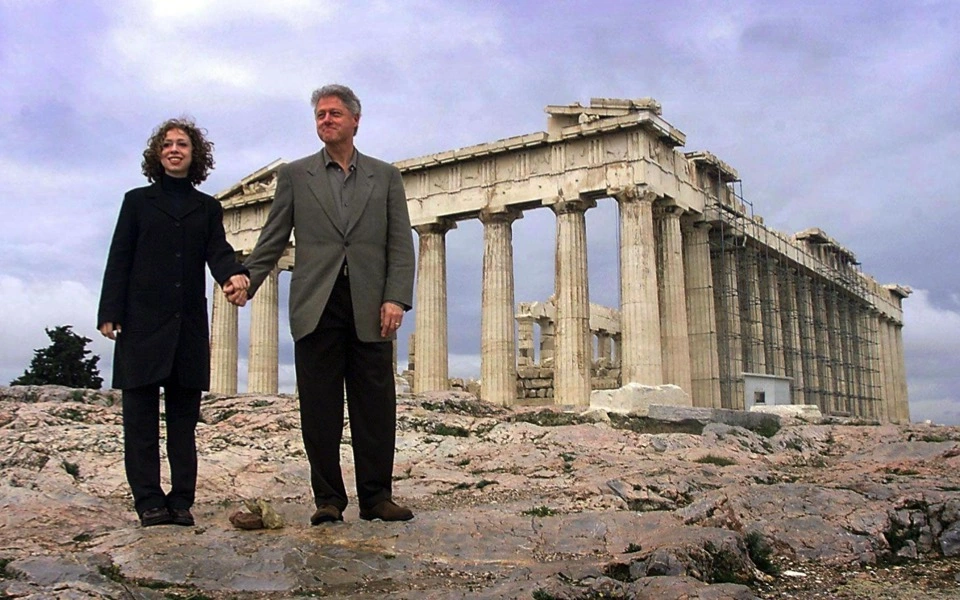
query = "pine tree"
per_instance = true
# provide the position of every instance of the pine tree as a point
(64, 362)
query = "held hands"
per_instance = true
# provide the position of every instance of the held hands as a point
(391, 316)
(235, 289)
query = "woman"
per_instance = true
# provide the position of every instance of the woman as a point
(154, 305)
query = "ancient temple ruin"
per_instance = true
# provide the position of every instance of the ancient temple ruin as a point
(711, 299)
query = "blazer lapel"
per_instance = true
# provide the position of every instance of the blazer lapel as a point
(362, 192)
(175, 210)
(191, 203)
(319, 185)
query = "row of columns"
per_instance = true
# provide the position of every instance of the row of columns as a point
(697, 310)
(262, 356)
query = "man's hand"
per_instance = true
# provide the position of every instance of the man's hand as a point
(236, 289)
(110, 330)
(391, 317)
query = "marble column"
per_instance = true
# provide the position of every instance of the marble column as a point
(770, 310)
(860, 358)
(790, 323)
(752, 317)
(432, 372)
(903, 401)
(872, 363)
(808, 341)
(674, 338)
(894, 386)
(841, 349)
(571, 379)
(835, 348)
(701, 316)
(262, 367)
(641, 358)
(223, 345)
(729, 342)
(821, 334)
(498, 362)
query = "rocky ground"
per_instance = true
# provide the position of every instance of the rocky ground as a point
(528, 503)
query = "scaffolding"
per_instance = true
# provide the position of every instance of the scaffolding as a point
(795, 307)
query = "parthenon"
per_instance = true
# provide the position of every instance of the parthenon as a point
(711, 299)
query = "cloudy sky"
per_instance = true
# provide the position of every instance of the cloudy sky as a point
(843, 115)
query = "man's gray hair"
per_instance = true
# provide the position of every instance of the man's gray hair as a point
(345, 94)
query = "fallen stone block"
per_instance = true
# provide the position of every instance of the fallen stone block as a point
(636, 399)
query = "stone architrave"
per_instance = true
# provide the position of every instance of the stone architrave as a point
(571, 380)
(701, 316)
(641, 359)
(432, 373)
(772, 328)
(754, 359)
(223, 346)
(264, 337)
(674, 336)
(498, 363)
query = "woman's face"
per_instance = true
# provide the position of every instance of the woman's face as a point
(176, 153)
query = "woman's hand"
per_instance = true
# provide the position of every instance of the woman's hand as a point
(110, 330)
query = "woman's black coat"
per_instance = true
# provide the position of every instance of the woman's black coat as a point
(154, 286)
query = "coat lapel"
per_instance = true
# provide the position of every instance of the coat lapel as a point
(192, 202)
(319, 185)
(362, 192)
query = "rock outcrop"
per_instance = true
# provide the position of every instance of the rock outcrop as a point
(526, 503)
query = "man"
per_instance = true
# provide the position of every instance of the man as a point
(351, 284)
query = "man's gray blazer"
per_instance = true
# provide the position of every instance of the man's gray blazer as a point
(377, 243)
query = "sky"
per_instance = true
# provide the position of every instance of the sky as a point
(842, 115)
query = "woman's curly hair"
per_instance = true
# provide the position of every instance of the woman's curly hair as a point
(201, 160)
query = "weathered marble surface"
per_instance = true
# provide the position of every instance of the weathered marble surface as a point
(565, 506)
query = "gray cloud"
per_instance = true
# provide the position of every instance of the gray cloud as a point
(844, 116)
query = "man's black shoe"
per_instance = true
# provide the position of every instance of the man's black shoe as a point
(155, 516)
(326, 513)
(182, 516)
(387, 511)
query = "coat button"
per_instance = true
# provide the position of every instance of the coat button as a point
(178, 223)
(176, 315)
(177, 284)
(178, 255)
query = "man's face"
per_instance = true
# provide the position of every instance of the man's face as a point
(335, 124)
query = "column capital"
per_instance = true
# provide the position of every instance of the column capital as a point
(633, 194)
(578, 205)
(668, 210)
(440, 226)
(507, 215)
